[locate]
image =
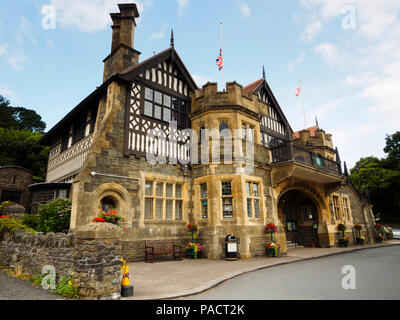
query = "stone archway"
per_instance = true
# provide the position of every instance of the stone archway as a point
(114, 197)
(300, 215)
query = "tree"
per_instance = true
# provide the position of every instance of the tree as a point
(380, 178)
(20, 131)
(393, 150)
(19, 118)
(21, 148)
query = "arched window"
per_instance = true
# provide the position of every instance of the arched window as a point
(108, 204)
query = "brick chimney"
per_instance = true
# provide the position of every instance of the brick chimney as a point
(122, 53)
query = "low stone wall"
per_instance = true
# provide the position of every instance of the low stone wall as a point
(93, 254)
(28, 253)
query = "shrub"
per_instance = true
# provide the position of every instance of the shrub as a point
(55, 216)
(13, 225)
(32, 221)
(65, 288)
(5, 204)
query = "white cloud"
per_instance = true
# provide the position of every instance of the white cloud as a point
(3, 50)
(311, 31)
(90, 15)
(182, 4)
(159, 35)
(369, 59)
(15, 58)
(201, 80)
(24, 32)
(5, 91)
(330, 53)
(245, 9)
(298, 60)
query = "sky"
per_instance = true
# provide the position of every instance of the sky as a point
(346, 53)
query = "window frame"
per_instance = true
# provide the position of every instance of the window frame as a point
(177, 108)
(227, 197)
(163, 198)
(202, 199)
(250, 196)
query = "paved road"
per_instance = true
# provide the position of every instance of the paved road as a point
(377, 277)
(16, 289)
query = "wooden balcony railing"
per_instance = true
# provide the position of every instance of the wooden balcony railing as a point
(290, 152)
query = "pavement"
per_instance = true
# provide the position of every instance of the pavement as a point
(12, 288)
(176, 279)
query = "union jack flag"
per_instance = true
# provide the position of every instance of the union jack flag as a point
(220, 61)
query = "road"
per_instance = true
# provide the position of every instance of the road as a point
(377, 278)
(16, 289)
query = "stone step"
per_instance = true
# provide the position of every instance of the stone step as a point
(291, 245)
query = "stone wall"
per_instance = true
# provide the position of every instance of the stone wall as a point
(28, 253)
(15, 179)
(93, 254)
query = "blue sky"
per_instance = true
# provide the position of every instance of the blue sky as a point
(345, 52)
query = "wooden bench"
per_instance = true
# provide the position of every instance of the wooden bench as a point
(155, 248)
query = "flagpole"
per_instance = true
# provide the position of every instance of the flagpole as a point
(222, 50)
(304, 111)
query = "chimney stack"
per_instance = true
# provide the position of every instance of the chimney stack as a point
(122, 53)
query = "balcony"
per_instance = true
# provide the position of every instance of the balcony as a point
(292, 161)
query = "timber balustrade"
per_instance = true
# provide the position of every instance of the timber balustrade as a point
(289, 152)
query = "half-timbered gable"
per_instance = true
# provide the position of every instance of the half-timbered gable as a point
(70, 140)
(274, 127)
(158, 102)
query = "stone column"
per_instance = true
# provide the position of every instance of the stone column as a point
(97, 258)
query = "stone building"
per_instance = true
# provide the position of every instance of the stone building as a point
(14, 182)
(239, 167)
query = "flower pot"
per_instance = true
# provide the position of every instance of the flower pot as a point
(271, 252)
(190, 254)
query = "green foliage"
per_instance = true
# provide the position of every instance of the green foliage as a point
(19, 118)
(13, 225)
(393, 150)
(21, 148)
(65, 288)
(31, 220)
(370, 173)
(380, 179)
(55, 216)
(37, 279)
(5, 204)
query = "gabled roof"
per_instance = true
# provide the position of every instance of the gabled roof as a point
(162, 56)
(125, 75)
(260, 84)
(252, 87)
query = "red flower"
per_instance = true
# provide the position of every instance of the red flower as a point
(101, 220)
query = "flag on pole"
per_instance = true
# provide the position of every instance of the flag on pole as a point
(220, 61)
(298, 92)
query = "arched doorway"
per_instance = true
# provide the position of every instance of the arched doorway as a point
(299, 214)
